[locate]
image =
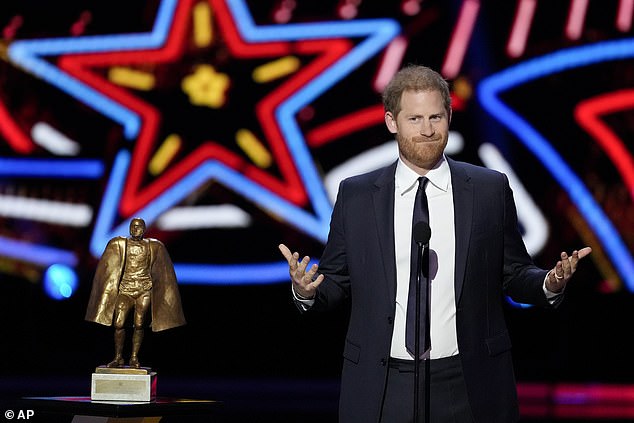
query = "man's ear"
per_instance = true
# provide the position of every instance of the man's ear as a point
(390, 122)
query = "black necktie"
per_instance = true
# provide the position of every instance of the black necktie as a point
(420, 214)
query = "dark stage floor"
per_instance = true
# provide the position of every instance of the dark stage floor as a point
(305, 401)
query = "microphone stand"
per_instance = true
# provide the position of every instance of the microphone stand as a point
(427, 344)
(417, 340)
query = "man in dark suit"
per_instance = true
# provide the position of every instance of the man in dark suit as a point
(475, 257)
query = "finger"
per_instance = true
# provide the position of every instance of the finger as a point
(285, 252)
(565, 264)
(578, 255)
(314, 284)
(302, 265)
(559, 271)
(311, 272)
(291, 258)
(584, 252)
(574, 259)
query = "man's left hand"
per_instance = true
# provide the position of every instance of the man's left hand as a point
(559, 275)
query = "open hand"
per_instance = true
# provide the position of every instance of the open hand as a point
(303, 283)
(559, 275)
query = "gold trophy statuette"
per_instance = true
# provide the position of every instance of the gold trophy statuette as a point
(134, 275)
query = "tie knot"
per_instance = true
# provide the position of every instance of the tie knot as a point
(422, 182)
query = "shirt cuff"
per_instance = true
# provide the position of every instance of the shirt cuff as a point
(306, 304)
(551, 296)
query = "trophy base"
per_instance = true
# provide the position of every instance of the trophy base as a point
(125, 384)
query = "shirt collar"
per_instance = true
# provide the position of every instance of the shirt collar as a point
(406, 179)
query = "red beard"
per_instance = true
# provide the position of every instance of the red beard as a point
(421, 151)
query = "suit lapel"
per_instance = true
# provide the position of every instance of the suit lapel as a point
(383, 199)
(463, 216)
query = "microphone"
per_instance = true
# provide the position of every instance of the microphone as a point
(421, 233)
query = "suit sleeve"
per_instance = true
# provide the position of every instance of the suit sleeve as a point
(523, 281)
(335, 289)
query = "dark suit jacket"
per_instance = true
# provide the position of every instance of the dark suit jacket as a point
(491, 262)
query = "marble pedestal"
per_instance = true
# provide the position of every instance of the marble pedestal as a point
(123, 384)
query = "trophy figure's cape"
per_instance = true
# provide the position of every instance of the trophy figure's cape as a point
(167, 311)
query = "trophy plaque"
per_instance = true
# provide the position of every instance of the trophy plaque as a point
(123, 384)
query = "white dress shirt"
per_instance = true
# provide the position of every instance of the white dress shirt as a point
(442, 253)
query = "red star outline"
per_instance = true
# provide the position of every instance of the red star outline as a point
(290, 187)
(587, 114)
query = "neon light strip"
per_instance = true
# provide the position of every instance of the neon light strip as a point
(253, 148)
(276, 69)
(460, 38)
(576, 18)
(521, 27)
(187, 218)
(203, 25)
(624, 15)
(131, 78)
(54, 141)
(51, 168)
(345, 125)
(15, 137)
(37, 254)
(391, 62)
(106, 214)
(231, 275)
(165, 154)
(586, 113)
(488, 94)
(49, 211)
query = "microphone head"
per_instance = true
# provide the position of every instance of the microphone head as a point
(421, 232)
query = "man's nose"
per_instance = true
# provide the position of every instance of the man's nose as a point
(426, 128)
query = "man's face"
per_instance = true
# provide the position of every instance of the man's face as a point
(421, 128)
(137, 228)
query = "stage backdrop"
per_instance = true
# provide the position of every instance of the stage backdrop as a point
(228, 124)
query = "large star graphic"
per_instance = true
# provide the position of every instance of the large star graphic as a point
(286, 197)
(489, 94)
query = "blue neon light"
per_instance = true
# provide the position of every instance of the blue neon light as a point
(38, 254)
(232, 275)
(106, 215)
(49, 168)
(489, 91)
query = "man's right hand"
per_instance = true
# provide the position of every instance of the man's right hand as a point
(303, 283)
